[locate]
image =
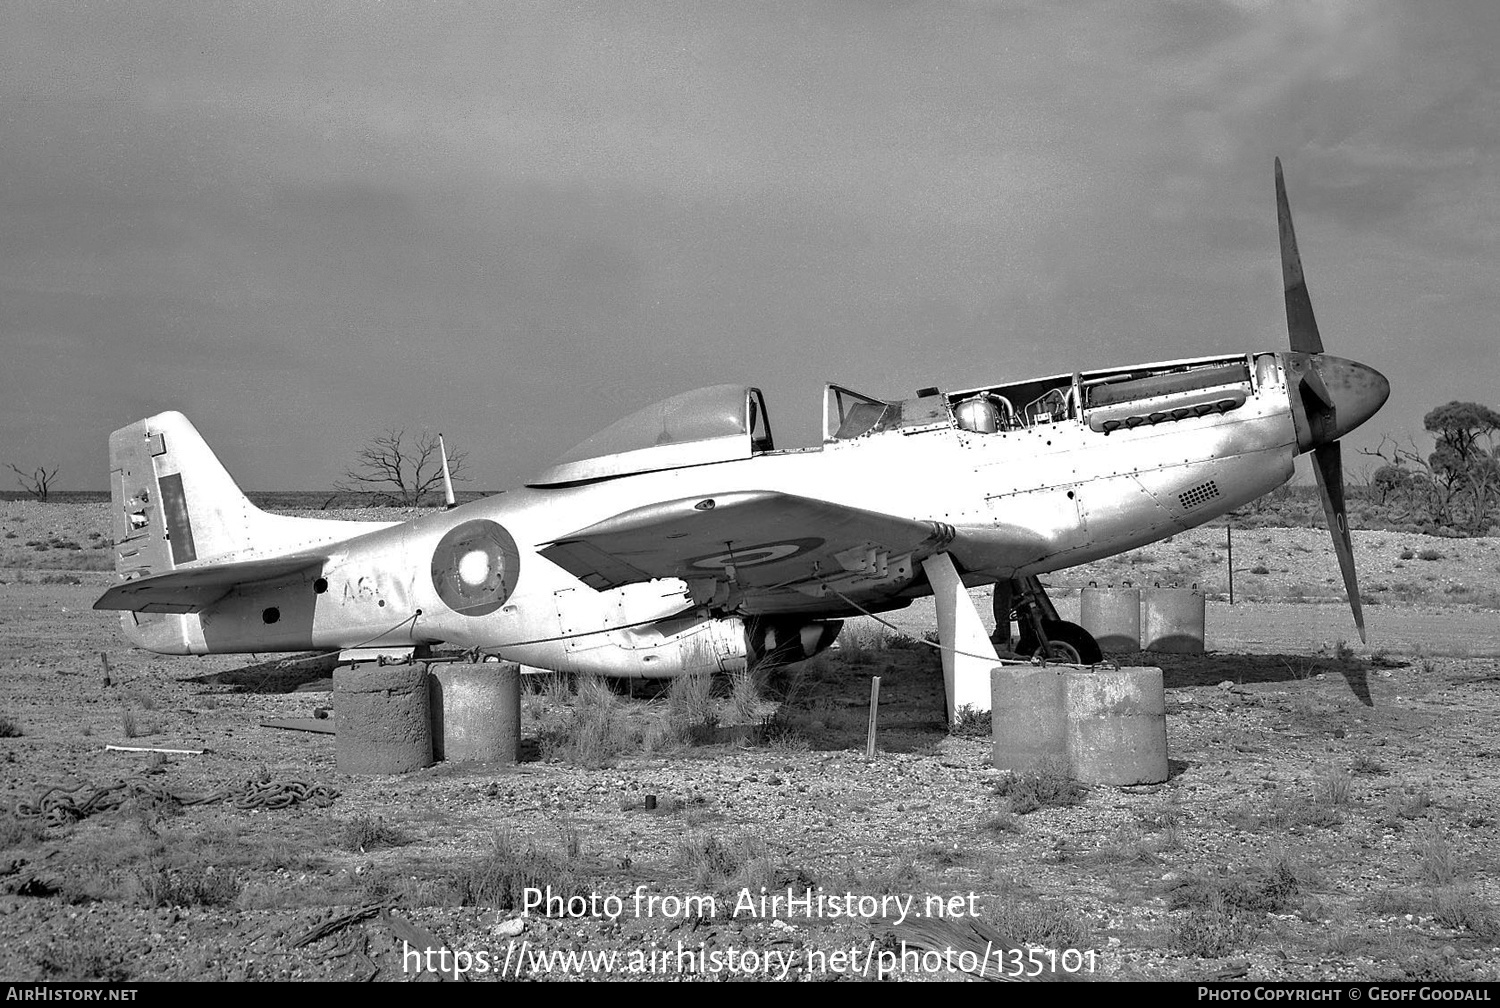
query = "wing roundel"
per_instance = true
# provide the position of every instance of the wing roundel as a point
(474, 567)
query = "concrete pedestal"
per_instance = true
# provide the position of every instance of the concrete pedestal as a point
(384, 726)
(476, 711)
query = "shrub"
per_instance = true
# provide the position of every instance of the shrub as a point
(1334, 787)
(1212, 931)
(1439, 865)
(690, 708)
(1045, 785)
(18, 832)
(1265, 888)
(500, 878)
(970, 722)
(1461, 910)
(1001, 822)
(593, 732)
(160, 886)
(745, 699)
(365, 833)
(1037, 922)
(1410, 802)
(728, 866)
(86, 954)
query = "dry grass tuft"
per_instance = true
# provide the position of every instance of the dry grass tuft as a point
(1266, 888)
(1047, 785)
(690, 708)
(195, 886)
(1213, 929)
(728, 866)
(500, 878)
(1334, 786)
(1436, 859)
(367, 833)
(969, 722)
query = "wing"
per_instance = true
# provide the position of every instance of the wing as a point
(191, 589)
(775, 550)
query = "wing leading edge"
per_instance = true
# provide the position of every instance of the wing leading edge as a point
(757, 542)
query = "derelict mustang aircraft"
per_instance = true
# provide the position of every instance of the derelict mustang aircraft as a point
(681, 539)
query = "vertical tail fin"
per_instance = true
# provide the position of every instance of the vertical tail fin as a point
(173, 502)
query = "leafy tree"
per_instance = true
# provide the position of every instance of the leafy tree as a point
(401, 470)
(1467, 457)
(1458, 482)
(38, 484)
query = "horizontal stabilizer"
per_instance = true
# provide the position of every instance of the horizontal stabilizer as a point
(189, 590)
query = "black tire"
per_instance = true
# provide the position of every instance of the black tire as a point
(1067, 642)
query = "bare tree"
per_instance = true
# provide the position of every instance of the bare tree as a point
(38, 484)
(400, 470)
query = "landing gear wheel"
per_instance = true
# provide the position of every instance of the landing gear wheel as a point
(1066, 642)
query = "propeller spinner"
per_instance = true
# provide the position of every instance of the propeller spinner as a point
(1330, 397)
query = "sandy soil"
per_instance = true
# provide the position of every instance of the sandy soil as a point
(1349, 790)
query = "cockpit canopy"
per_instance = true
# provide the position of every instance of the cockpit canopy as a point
(720, 423)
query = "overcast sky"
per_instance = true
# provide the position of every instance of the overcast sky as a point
(517, 222)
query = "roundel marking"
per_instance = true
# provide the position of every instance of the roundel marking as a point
(752, 556)
(474, 567)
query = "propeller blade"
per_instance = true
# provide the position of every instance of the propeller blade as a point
(1300, 324)
(1330, 469)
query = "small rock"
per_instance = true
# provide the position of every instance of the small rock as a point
(509, 928)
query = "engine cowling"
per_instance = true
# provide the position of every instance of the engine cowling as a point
(666, 648)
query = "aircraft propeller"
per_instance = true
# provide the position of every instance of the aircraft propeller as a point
(1335, 395)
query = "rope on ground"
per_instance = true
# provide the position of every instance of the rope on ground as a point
(59, 805)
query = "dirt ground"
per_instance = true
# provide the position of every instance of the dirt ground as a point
(1330, 812)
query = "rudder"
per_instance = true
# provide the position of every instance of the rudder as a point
(173, 501)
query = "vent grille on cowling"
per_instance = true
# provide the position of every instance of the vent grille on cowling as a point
(1199, 495)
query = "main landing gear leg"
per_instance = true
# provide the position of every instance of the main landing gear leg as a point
(1043, 631)
(1003, 604)
(968, 655)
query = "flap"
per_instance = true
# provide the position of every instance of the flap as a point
(191, 589)
(754, 538)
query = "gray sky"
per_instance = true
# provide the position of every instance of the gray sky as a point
(517, 222)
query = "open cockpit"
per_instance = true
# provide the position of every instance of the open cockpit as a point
(1104, 401)
(1110, 400)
